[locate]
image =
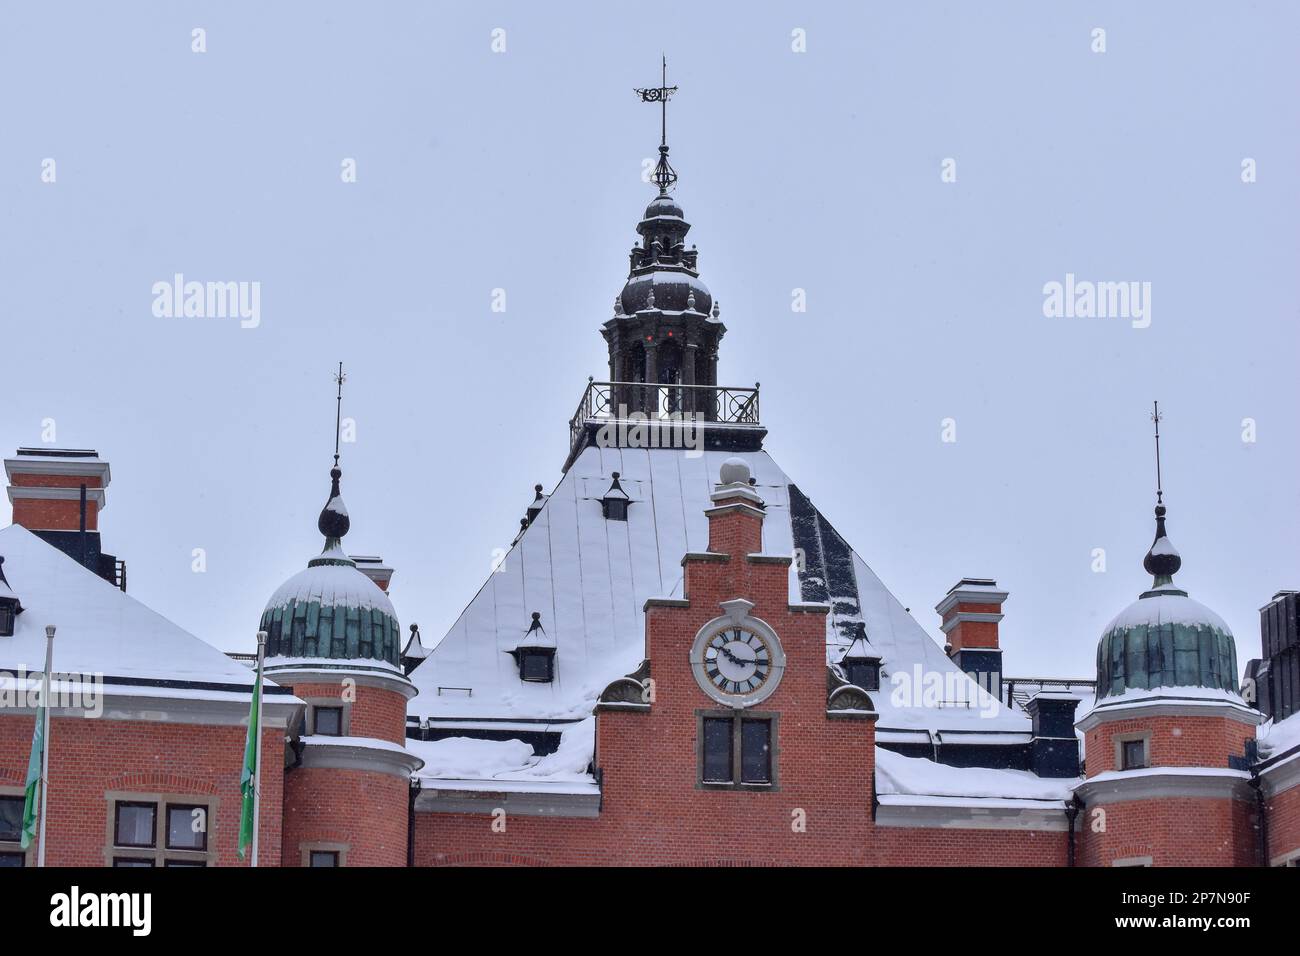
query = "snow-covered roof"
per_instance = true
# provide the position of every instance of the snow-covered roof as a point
(1277, 737)
(897, 775)
(590, 577)
(1167, 609)
(334, 585)
(100, 629)
(453, 761)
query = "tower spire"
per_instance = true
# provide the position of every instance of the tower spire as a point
(664, 175)
(1162, 560)
(334, 522)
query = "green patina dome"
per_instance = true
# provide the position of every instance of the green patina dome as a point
(1164, 638)
(330, 611)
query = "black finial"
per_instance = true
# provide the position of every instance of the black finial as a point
(538, 490)
(537, 623)
(333, 522)
(664, 175)
(1162, 560)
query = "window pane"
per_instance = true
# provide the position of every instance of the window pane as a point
(135, 824)
(329, 721)
(755, 751)
(324, 858)
(123, 861)
(1134, 754)
(717, 749)
(11, 818)
(198, 863)
(11, 859)
(536, 667)
(187, 827)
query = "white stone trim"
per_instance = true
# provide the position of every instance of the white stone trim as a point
(1159, 706)
(963, 617)
(971, 813)
(964, 596)
(52, 465)
(47, 493)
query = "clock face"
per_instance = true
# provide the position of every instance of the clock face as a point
(737, 661)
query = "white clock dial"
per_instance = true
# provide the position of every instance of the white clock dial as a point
(737, 661)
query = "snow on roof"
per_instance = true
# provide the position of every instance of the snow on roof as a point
(590, 578)
(333, 585)
(1277, 737)
(101, 630)
(1142, 696)
(467, 758)
(1167, 609)
(916, 776)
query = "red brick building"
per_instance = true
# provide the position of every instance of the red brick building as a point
(679, 661)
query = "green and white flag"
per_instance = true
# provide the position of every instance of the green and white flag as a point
(248, 780)
(31, 807)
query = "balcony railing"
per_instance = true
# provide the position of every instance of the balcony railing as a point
(605, 402)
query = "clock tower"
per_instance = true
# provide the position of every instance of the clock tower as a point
(666, 325)
(735, 732)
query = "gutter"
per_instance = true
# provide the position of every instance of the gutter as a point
(1071, 812)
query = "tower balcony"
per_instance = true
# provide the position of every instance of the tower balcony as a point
(642, 415)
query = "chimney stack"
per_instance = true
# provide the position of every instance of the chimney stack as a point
(57, 494)
(374, 568)
(970, 613)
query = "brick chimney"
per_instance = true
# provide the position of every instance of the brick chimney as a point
(57, 494)
(970, 613)
(736, 518)
(373, 567)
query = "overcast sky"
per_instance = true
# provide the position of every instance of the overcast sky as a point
(520, 170)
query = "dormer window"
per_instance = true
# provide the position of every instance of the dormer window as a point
(861, 663)
(614, 504)
(537, 664)
(864, 674)
(10, 606)
(535, 654)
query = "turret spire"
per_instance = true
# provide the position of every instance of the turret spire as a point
(333, 522)
(1162, 560)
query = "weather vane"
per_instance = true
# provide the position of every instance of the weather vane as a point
(664, 175)
(339, 379)
(1155, 417)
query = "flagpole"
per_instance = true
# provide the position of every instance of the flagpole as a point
(257, 772)
(45, 739)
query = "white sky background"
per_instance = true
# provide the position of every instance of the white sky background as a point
(522, 171)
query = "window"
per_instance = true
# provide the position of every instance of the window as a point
(11, 830)
(11, 819)
(1133, 753)
(737, 750)
(717, 750)
(159, 830)
(537, 664)
(323, 854)
(187, 827)
(135, 824)
(6, 620)
(864, 674)
(328, 721)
